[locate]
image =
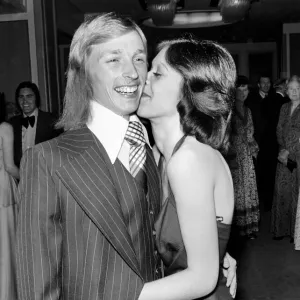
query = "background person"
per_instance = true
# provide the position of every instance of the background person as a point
(286, 186)
(269, 145)
(247, 215)
(33, 126)
(257, 103)
(9, 173)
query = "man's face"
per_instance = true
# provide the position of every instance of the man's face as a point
(27, 101)
(264, 84)
(118, 69)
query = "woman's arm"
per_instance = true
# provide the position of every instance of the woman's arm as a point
(192, 181)
(7, 135)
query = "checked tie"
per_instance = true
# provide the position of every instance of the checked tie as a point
(137, 154)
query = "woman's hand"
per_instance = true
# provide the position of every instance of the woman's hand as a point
(229, 271)
(283, 156)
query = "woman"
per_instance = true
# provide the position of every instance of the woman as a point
(246, 216)
(286, 186)
(8, 174)
(188, 99)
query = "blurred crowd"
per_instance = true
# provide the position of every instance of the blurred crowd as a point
(264, 156)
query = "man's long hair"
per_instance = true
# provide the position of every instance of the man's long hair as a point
(79, 91)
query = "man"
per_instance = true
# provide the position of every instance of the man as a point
(256, 103)
(277, 100)
(269, 146)
(33, 126)
(90, 199)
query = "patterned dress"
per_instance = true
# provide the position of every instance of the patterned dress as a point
(246, 216)
(286, 187)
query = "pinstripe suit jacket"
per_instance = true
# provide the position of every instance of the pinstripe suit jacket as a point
(72, 242)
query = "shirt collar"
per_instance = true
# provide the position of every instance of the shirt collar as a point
(262, 94)
(280, 93)
(110, 128)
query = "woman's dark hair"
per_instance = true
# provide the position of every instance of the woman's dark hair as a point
(33, 87)
(209, 76)
(242, 81)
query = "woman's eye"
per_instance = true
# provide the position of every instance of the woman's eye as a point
(156, 74)
(113, 60)
(140, 59)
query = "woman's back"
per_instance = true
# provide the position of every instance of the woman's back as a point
(169, 239)
(223, 185)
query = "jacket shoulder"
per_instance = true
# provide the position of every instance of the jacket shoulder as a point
(15, 120)
(47, 115)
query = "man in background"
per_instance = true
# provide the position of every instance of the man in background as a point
(269, 146)
(33, 125)
(257, 103)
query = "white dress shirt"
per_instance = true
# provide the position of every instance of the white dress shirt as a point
(262, 94)
(110, 129)
(28, 134)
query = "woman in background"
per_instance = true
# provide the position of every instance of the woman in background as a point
(188, 99)
(286, 185)
(246, 215)
(8, 212)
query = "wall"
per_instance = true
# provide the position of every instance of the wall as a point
(29, 51)
(254, 59)
(291, 49)
(14, 57)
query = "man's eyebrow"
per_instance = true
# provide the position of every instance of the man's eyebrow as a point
(119, 51)
(140, 51)
(30, 94)
(109, 52)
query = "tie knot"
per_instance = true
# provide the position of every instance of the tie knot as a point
(135, 134)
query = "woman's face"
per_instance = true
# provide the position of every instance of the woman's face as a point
(242, 93)
(162, 91)
(293, 91)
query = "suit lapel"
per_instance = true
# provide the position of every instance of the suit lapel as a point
(41, 127)
(18, 138)
(88, 178)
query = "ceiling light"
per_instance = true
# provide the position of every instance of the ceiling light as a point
(191, 19)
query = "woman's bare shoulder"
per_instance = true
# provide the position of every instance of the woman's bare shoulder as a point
(192, 155)
(6, 129)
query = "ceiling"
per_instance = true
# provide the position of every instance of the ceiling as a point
(264, 22)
